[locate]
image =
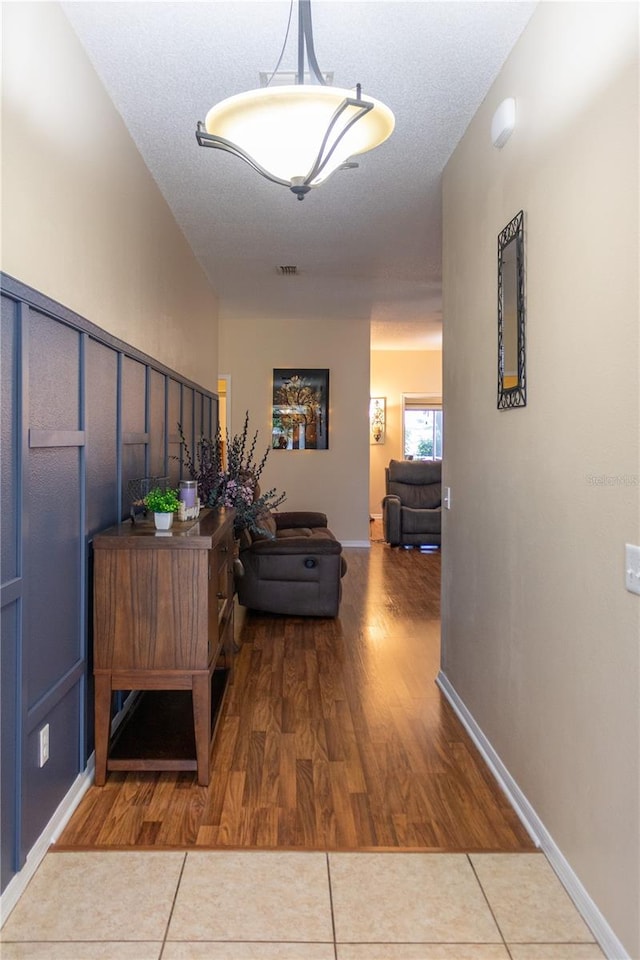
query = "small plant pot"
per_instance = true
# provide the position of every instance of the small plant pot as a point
(163, 521)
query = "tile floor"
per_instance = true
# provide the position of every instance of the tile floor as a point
(236, 905)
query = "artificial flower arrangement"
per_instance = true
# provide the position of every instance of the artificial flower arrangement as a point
(234, 484)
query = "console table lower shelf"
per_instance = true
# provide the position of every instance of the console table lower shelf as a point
(158, 733)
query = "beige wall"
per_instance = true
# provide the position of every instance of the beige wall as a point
(334, 481)
(82, 219)
(394, 372)
(540, 639)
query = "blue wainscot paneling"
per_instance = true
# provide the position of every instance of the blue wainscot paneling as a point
(11, 588)
(82, 414)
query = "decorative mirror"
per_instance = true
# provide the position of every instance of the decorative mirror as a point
(512, 390)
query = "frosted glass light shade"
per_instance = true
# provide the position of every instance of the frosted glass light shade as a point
(282, 128)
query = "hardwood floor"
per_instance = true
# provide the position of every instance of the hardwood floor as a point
(334, 736)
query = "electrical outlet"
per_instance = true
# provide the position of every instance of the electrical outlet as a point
(44, 745)
(632, 567)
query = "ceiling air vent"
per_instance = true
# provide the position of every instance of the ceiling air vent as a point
(288, 271)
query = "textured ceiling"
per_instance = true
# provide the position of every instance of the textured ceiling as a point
(367, 243)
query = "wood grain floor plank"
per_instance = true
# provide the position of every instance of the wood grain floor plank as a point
(255, 762)
(88, 820)
(267, 826)
(346, 830)
(325, 825)
(182, 821)
(287, 796)
(306, 835)
(229, 832)
(270, 774)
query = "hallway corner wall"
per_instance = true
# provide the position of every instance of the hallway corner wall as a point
(540, 637)
(83, 220)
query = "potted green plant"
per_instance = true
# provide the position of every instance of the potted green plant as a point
(163, 504)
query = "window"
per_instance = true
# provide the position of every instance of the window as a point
(421, 427)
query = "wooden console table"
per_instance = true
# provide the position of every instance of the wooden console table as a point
(163, 621)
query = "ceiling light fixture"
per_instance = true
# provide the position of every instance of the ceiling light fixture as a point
(297, 135)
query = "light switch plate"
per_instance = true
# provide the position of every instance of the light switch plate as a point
(446, 499)
(632, 567)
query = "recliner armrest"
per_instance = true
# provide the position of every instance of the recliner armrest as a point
(296, 546)
(391, 516)
(289, 520)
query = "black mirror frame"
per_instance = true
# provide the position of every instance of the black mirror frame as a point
(515, 396)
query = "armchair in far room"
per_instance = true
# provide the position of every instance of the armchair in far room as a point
(412, 507)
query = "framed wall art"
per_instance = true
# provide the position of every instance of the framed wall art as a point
(300, 409)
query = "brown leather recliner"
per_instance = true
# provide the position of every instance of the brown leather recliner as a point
(412, 508)
(296, 569)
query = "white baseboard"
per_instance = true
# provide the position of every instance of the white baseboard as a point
(18, 884)
(356, 543)
(608, 941)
